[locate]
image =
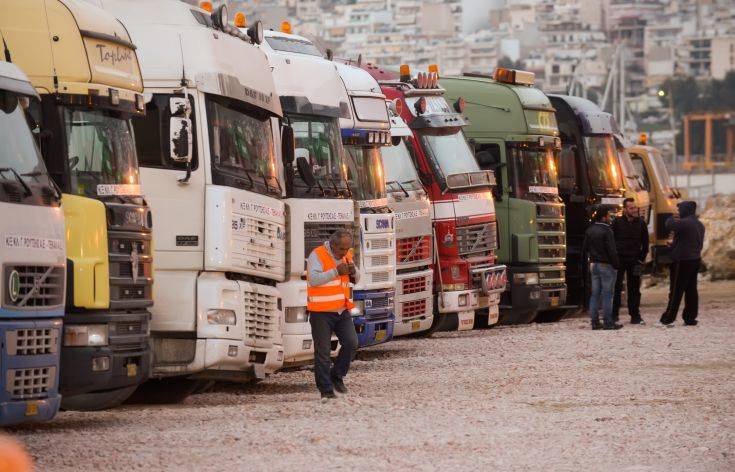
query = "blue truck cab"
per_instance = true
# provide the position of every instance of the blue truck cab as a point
(365, 129)
(33, 264)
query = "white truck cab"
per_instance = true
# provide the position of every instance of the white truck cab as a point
(411, 210)
(208, 168)
(364, 133)
(318, 199)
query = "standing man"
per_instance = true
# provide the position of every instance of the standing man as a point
(686, 255)
(599, 248)
(631, 242)
(329, 272)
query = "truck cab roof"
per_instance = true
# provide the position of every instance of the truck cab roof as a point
(592, 119)
(368, 102)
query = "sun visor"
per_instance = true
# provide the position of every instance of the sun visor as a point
(597, 122)
(229, 86)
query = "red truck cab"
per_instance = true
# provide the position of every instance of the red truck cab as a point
(467, 280)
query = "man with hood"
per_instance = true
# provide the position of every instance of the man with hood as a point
(686, 255)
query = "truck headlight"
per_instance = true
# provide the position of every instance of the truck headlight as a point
(219, 316)
(530, 278)
(86, 335)
(296, 314)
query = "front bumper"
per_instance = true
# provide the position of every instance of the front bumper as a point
(229, 360)
(372, 332)
(29, 411)
(466, 300)
(374, 324)
(129, 354)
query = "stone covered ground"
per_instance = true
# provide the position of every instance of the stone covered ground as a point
(539, 397)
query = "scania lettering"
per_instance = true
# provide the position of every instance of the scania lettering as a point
(83, 64)
(318, 200)
(514, 133)
(33, 271)
(209, 171)
(467, 279)
(589, 178)
(364, 134)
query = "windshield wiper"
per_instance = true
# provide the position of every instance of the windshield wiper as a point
(51, 184)
(389, 182)
(20, 180)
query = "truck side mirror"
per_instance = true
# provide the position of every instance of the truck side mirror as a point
(305, 171)
(288, 145)
(180, 138)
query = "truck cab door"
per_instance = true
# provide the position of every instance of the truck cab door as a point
(490, 155)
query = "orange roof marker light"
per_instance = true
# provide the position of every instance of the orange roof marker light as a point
(206, 6)
(240, 20)
(513, 76)
(405, 73)
(434, 68)
(286, 27)
(643, 139)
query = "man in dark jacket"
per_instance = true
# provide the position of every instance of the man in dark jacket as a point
(599, 248)
(631, 241)
(686, 255)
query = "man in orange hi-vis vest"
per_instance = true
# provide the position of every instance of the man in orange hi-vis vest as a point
(329, 300)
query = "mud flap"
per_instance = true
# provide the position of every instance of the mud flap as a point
(259, 371)
(465, 320)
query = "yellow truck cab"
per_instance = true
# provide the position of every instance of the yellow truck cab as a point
(633, 182)
(82, 63)
(650, 166)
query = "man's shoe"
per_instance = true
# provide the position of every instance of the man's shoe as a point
(691, 323)
(637, 320)
(664, 325)
(326, 396)
(596, 325)
(339, 385)
(613, 326)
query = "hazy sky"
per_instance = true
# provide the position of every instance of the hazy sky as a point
(476, 13)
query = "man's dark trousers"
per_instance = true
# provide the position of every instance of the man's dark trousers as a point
(323, 324)
(683, 283)
(630, 269)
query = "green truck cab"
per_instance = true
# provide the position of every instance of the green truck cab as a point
(514, 133)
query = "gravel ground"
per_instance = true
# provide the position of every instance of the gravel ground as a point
(538, 397)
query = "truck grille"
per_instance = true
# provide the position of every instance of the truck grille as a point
(551, 277)
(263, 242)
(316, 233)
(261, 317)
(551, 232)
(551, 226)
(413, 285)
(32, 341)
(24, 384)
(554, 239)
(477, 238)
(380, 277)
(379, 302)
(380, 243)
(129, 327)
(413, 249)
(379, 261)
(413, 308)
(551, 254)
(36, 286)
(131, 269)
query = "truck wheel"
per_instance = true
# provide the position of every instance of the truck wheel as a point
(166, 391)
(517, 317)
(446, 322)
(551, 316)
(97, 401)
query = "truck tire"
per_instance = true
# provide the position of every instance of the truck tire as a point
(517, 317)
(97, 401)
(552, 316)
(166, 391)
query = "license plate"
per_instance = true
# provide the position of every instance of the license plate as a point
(31, 408)
(415, 325)
(132, 370)
(554, 301)
(380, 335)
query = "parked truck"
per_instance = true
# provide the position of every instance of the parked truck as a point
(589, 179)
(632, 181)
(467, 279)
(33, 264)
(83, 64)
(411, 211)
(364, 133)
(318, 199)
(650, 167)
(209, 171)
(513, 131)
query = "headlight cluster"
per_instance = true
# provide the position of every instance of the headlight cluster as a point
(219, 316)
(530, 278)
(296, 314)
(86, 335)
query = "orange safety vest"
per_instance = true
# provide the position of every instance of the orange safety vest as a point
(334, 294)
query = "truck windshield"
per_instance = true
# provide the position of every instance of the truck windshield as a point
(602, 164)
(101, 152)
(399, 170)
(662, 173)
(241, 142)
(449, 151)
(19, 157)
(535, 169)
(365, 173)
(319, 143)
(632, 180)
